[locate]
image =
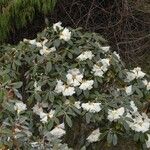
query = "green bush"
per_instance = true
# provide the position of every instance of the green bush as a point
(67, 89)
(15, 14)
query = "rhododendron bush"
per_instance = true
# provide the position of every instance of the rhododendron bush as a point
(52, 86)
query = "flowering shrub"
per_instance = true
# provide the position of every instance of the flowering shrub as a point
(64, 78)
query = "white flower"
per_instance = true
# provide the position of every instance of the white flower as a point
(20, 106)
(37, 109)
(74, 77)
(65, 35)
(35, 144)
(91, 107)
(97, 70)
(77, 104)
(148, 141)
(128, 90)
(87, 85)
(85, 55)
(68, 91)
(105, 48)
(43, 117)
(64, 89)
(138, 72)
(141, 123)
(38, 44)
(133, 106)
(94, 136)
(59, 87)
(37, 87)
(57, 26)
(45, 50)
(105, 63)
(113, 115)
(147, 84)
(130, 76)
(44, 104)
(116, 54)
(135, 74)
(32, 42)
(51, 113)
(58, 131)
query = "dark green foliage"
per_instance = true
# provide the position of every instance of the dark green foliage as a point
(15, 14)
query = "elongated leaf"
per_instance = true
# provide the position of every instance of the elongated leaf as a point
(68, 121)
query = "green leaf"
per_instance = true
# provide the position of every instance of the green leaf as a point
(68, 121)
(115, 139)
(86, 93)
(57, 43)
(17, 85)
(8, 106)
(17, 93)
(76, 110)
(88, 117)
(138, 91)
(78, 91)
(109, 138)
(51, 96)
(142, 138)
(48, 67)
(37, 96)
(56, 120)
(90, 63)
(136, 137)
(7, 132)
(50, 124)
(83, 148)
(70, 55)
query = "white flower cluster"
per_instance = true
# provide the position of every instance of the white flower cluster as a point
(105, 48)
(38, 109)
(65, 34)
(114, 115)
(20, 106)
(117, 55)
(58, 131)
(74, 78)
(94, 136)
(136, 73)
(45, 50)
(91, 107)
(37, 87)
(66, 90)
(147, 84)
(139, 123)
(87, 85)
(101, 67)
(77, 104)
(129, 90)
(85, 55)
(57, 26)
